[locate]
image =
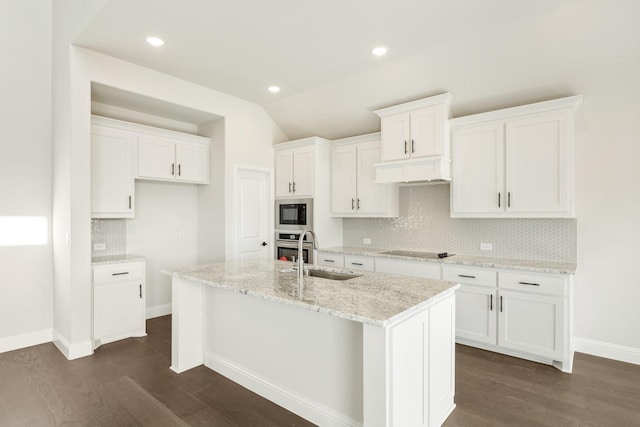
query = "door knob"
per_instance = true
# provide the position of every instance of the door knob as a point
(264, 243)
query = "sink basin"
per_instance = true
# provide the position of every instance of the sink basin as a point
(331, 275)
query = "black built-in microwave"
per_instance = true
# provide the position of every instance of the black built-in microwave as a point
(294, 214)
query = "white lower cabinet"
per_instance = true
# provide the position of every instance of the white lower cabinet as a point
(517, 313)
(330, 260)
(118, 302)
(358, 262)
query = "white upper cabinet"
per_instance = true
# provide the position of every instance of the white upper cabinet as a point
(294, 171)
(414, 134)
(354, 192)
(170, 159)
(112, 185)
(516, 162)
(415, 141)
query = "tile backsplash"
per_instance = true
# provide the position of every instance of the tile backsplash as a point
(424, 224)
(111, 232)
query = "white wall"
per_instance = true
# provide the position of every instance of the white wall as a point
(607, 304)
(249, 133)
(165, 232)
(25, 176)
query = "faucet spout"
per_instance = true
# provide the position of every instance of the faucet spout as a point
(300, 255)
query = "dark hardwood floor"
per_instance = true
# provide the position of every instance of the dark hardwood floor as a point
(128, 383)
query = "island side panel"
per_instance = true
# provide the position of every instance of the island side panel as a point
(307, 362)
(187, 344)
(409, 368)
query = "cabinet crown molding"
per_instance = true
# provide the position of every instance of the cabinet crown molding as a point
(312, 140)
(149, 130)
(442, 99)
(572, 102)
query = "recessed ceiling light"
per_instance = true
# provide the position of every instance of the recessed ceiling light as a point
(274, 89)
(155, 41)
(379, 51)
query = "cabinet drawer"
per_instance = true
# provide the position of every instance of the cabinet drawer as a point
(428, 270)
(532, 282)
(330, 260)
(355, 262)
(469, 275)
(117, 273)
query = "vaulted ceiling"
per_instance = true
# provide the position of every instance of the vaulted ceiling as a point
(490, 54)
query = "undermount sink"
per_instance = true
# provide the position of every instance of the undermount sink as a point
(331, 275)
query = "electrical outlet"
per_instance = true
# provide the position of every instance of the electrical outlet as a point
(181, 235)
(99, 246)
(366, 241)
(486, 246)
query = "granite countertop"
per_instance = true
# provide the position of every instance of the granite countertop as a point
(477, 261)
(374, 298)
(115, 259)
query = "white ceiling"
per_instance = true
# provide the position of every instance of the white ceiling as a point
(488, 53)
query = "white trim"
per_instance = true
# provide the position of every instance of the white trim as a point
(305, 142)
(16, 342)
(610, 351)
(304, 407)
(157, 311)
(442, 99)
(148, 130)
(72, 351)
(572, 102)
(375, 136)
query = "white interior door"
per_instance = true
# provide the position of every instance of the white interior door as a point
(254, 207)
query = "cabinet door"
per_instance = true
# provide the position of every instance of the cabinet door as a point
(156, 158)
(371, 197)
(192, 161)
(476, 308)
(427, 132)
(395, 134)
(537, 158)
(343, 180)
(118, 311)
(284, 173)
(478, 172)
(531, 323)
(303, 172)
(112, 185)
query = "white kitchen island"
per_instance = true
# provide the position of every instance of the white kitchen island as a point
(375, 350)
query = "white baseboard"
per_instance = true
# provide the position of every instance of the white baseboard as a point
(310, 410)
(72, 351)
(158, 310)
(608, 350)
(16, 342)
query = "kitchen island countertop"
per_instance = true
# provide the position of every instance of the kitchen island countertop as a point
(373, 298)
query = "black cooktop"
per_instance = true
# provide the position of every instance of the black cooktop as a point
(418, 254)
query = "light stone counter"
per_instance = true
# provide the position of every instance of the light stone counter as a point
(373, 298)
(115, 259)
(477, 261)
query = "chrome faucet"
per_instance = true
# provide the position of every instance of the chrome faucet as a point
(300, 257)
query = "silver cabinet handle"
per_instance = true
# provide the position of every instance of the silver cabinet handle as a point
(289, 187)
(140, 291)
(173, 169)
(179, 169)
(529, 283)
(358, 205)
(491, 302)
(356, 263)
(405, 147)
(352, 204)
(412, 146)
(468, 277)
(509, 199)
(120, 274)
(328, 260)
(129, 202)
(501, 304)
(294, 186)
(499, 201)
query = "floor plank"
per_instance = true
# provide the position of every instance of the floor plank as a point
(129, 383)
